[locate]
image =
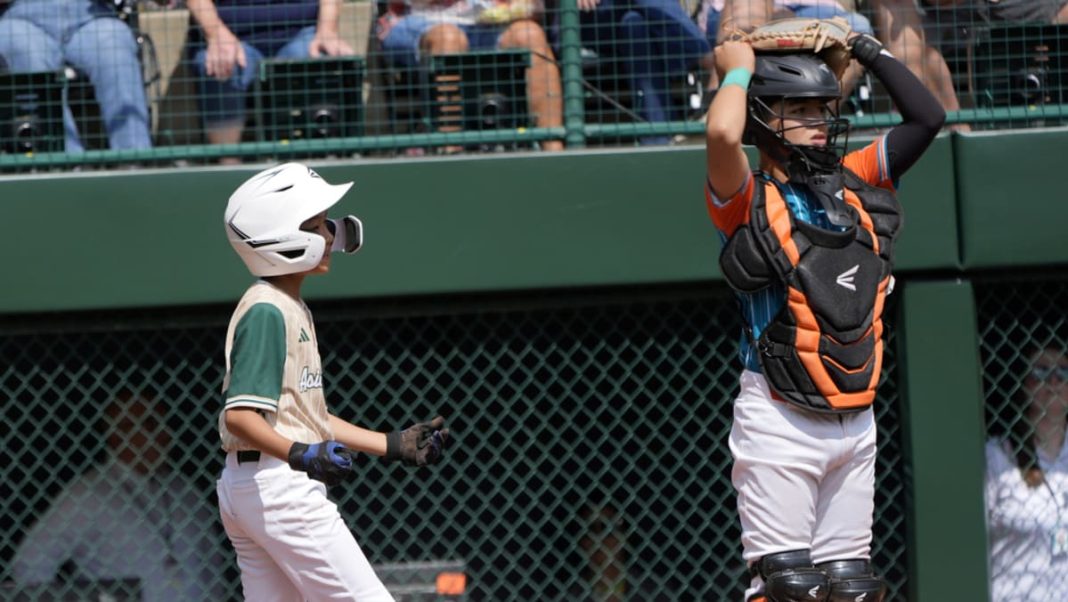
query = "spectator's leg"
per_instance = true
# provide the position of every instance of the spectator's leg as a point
(402, 44)
(743, 15)
(443, 38)
(901, 31)
(1062, 14)
(708, 61)
(222, 103)
(446, 38)
(408, 38)
(297, 48)
(682, 41)
(677, 45)
(105, 50)
(27, 47)
(543, 78)
(636, 43)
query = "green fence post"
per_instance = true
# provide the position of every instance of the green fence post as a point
(944, 436)
(571, 72)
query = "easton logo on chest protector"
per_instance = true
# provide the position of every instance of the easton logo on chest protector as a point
(823, 350)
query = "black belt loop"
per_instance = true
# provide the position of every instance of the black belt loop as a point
(248, 455)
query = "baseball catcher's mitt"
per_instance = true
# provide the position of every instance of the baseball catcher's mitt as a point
(825, 37)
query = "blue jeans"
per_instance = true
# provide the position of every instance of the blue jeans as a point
(222, 103)
(43, 35)
(401, 45)
(656, 40)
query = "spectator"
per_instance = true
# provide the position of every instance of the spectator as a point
(47, 35)
(952, 26)
(1005, 11)
(129, 517)
(409, 30)
(605, 558)
(902, 30)
(655, 39)
(720, 17)
(234, 36)
(603, 545)
(1027, 487)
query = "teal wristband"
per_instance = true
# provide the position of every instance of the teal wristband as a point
(739, 76)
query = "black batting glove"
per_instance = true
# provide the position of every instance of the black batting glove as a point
(418, 445)
(329, 461)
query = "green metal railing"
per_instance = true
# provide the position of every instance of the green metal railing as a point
(1004, 75)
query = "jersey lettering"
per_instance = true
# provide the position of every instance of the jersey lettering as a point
(310, 380)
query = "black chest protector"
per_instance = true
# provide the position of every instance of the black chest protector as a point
(823, 349)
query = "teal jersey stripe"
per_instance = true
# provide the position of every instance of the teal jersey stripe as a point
(258, 355)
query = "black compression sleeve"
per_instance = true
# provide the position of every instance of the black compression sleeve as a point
(922, 115)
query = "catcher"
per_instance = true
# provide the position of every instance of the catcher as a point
(808, 247)
(283, 446)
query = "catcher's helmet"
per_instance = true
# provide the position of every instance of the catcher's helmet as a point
(264, 215)
(793, 76)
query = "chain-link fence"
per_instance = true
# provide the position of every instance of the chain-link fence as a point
(590, 451)
(160, 82)
(1024, 343)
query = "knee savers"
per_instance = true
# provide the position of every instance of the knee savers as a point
(791, 577)
(853, 581)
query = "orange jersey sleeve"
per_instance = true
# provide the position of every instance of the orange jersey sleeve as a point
(733, 212)
(870, 164)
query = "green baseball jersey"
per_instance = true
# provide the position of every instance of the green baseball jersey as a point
(273, 365)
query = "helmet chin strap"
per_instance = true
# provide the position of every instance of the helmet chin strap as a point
(819, 170)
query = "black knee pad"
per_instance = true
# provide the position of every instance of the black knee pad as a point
(853, 581)
(791, 577)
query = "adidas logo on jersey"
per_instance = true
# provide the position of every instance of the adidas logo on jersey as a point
(304, 338)
(310, 380)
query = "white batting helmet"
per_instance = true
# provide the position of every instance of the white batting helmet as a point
(264, 215)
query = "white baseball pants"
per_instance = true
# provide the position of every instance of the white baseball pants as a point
(804, 480)
(290, 541)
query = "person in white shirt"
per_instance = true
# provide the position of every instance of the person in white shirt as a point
(1027, 489)
(129, 517)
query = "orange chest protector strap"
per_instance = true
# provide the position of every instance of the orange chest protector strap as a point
(823, 349)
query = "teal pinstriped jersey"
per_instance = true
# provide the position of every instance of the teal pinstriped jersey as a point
(759, 308)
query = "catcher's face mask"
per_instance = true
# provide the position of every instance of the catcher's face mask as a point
(809, 126)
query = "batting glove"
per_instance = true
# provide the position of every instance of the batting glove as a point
(418, 445)
(329, 461)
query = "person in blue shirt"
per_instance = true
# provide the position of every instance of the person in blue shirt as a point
(656, 41)
(47, 35)
(234, 36)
